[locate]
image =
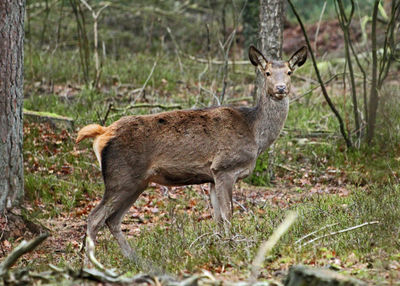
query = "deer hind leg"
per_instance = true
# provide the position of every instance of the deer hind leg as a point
(97, 218)
(122, 190)
(95, 222)
(121, 205)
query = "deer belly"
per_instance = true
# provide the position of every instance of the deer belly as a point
(178, 177)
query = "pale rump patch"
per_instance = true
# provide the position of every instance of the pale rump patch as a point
(100, 142)
(96, 149)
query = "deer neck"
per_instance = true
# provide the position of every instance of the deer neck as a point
(269, 120)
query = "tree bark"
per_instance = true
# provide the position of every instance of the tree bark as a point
(272, 16)
(12, 14)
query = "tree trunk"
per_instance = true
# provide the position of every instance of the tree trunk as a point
(272, 16)
(11, 99)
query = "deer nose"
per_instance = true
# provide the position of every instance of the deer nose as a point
(281, 88)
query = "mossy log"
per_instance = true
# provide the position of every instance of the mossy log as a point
(56, 121)
(301, 275)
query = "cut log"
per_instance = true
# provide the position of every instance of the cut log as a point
(301, 275)
(56, 121)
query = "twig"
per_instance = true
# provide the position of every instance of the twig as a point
(303, 78)
(95, 16)
(145, 83)
(287, 168)
(318, 26)
(212, 93)
(361, 68)
(110, 107)
(216, 62)
(200, 237)
(21, 249)
(177, 50)
(314, 232)
(225, 49)
(340, 231)
(199, 82)
(345, 22)
(146, 105)
(267, 246)
(82, 39)
(240, 205)
(315, 87)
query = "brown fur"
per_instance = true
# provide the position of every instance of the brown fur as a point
(215, 145)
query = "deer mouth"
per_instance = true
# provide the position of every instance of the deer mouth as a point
(278, 96)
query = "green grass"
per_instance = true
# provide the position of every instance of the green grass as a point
(193, 245)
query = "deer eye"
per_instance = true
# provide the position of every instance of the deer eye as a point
(268, 73)
(289, 72)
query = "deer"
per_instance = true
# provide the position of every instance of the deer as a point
(215, 145)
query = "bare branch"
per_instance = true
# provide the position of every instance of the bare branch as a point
(21, 249)
(340, 231)
(314, 232)
(267, 246)
(146, 81)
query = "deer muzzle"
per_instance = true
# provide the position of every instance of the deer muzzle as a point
(280, 92)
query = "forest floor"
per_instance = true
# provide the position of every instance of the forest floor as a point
(173, 227)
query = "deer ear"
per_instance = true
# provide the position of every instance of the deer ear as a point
(298, 58)
(257, 58)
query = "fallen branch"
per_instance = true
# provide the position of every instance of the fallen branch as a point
(148, 105)
(216, 62)
(200, 237)
(287, 168)
(240, 205)
(146, 81)
(21, 249)
(267, 246)
(314, 232)
(58, 275)
(340, 231)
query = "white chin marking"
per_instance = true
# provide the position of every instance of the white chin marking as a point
(278, 96)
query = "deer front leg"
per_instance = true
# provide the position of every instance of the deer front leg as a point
(222, 198)
(215, 203)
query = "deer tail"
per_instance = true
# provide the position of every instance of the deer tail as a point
(90, 131)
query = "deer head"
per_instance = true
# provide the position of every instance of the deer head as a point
(277, 73)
